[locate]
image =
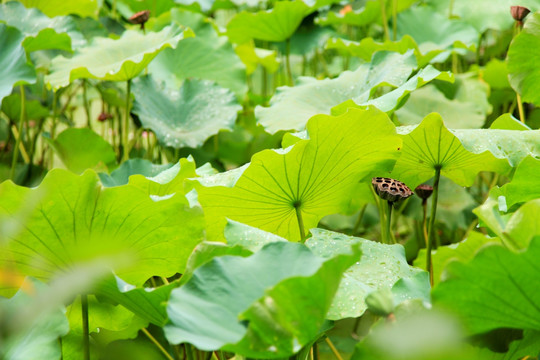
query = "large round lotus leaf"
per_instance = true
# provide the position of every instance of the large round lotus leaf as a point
(431, 145)
(463, 251)
(291, 107)
(466, 110)
(380, 267)
(365, 48)
(14, 68)
(81, 149)
(42, 335)
(156, 7)
(205, 56)
(186, 117)
(54, 8)
(497, 289)
(369, 13)
(277, 24)
(267, 305)
(74, 219)
(525, 184)
(115, 60)
(432, 30)
(483, 14)
(11, 106)
(130, 167)
(316, 176)
(41, 31)
(523, 71)
(514, 145)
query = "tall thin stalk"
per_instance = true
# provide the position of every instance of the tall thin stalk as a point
(125, 130)
(86, 104)
(158, 345)
(288, 61)
(389, 238)
(394, 18)
(431, 229)
(384, 20)
(22, 119)
(300, 221)
(86, 332)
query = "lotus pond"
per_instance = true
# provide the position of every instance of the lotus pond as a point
(245, 179)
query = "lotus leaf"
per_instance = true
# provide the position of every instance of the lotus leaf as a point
(115, 60)
(313, 178)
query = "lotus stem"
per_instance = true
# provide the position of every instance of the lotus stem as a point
(394, 18)
(431, 232)
(424, 221)
(86, 104)
(384, 20)
(158, 345)
(125, 135)
(86, 332)
(288, 61)
(389, 222)
(451, 9)
(359, 220)
(22, 119)
(300, 221)
(333, 348)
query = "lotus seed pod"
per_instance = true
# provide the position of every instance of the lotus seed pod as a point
(423, 191)
(140, 18)
(390, 190)
(519, 12)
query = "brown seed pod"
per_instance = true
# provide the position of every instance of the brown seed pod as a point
(390, 190)
(423, 191)
(104, 116)
(519, 12)
(140, 18)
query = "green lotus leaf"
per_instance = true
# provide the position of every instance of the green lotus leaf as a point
(368, 46)
(252, 57)
(466, 110)
(496, 74)
(430, 146)
(434, 31)
(53, 8)
(510, 144)
(248, 237)
(40, 31)
(483, 14)
(291, 107)
(524, 76)
(277, 24)
(42, 335)
(11, 106)
(204, 56)
(114, 60)
(147, 303)
(495, 290)
(185, 118)
(101, 316)
(74, 219)
(369, 13)
(156, 7)
(380, 267)
(313, 178)
(14, 67)
(463, 251)
(121, 175)
(525, 184)
(263, 303)
(82, 148)
(514, 229)
(508, 122)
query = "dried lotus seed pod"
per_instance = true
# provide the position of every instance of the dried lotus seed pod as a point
(423, 191)
(390, 190)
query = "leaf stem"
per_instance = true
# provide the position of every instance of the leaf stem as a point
(158, 345)
(333, 348)
(424, 221)
(86, 104)
(86, 331)
(125, 134)
(394, 18)
(431, 232)
(384, 20)
(359, 220)
(288, 61)
(300, 221)
(389, 222)
(18, 139)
